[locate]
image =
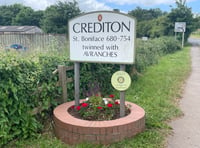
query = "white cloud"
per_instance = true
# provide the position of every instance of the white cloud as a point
(144, 2)
(140, 2)
(91, 5)
(38, 5)
(84, 5)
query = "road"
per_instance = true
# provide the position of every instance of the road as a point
(186, 130)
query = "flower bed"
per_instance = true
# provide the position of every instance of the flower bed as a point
(97, 108)
(72, 130)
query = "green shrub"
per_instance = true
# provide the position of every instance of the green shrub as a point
(148, 52)
(25, 85)
(26, 82)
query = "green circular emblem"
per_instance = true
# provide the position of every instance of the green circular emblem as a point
(121, 80)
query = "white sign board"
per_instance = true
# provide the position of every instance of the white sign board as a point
(102, 37)
(180, 27)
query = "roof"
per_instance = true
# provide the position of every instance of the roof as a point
(17, 28)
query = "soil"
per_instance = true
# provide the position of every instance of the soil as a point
(76, 114)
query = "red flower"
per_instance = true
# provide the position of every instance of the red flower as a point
(99, 107)
(117, 102)
(109, 105)
(84, 104)
(97, 95)
(78, 108)
(111, 96)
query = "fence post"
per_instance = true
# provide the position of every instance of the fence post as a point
(63, 81)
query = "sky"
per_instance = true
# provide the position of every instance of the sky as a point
(97, 5)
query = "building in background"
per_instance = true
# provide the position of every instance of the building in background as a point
(20, 30)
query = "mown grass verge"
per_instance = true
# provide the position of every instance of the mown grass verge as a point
(195, 36)
(156, 90)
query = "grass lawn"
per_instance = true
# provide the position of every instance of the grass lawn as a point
(195, 34)
(157, 90)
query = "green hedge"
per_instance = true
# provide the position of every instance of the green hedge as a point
(148, 52)
(27, 82)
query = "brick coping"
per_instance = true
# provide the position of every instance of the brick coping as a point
(66, 125)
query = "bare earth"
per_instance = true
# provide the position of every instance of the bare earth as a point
(186, 130)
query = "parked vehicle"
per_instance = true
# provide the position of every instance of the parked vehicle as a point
(17, 47)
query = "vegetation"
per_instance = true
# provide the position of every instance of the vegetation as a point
(53, 20)
(151, 23)
(156, 90)
(27, 82)
(97, 108)
(155, 23)
(18, 14)
(196, 34)
(56, 17)
(181, 14)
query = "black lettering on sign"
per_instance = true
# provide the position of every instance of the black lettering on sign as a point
(97, 27)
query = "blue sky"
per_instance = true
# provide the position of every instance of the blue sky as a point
(122, 5)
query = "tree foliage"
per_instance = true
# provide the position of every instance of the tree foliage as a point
(180, 14)
(150, 22)
(144, 14)
(52, 20)
(56, 17)
(18, 14)
(8, 13)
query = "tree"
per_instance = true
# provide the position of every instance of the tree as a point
(197, 22)
(144, 14)
(37, 18)
(157, 29)
(18, 14)
(56, 17)
(180, 14)
(24, 17)
(8, 13)
(149, 22)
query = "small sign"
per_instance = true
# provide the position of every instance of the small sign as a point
(102, 37)
(121, 80)
(180, 27)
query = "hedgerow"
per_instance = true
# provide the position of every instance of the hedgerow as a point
(27, 82)
(148, 52)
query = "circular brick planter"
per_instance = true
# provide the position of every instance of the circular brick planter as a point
(72, 130)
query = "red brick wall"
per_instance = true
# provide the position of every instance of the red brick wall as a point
(72, 130)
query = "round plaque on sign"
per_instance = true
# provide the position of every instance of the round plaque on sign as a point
(121, 80)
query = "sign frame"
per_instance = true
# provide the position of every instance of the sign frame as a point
(180, 27)
(118, 49)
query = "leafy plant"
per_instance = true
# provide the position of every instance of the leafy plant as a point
(97, 108)
(23, 88)
(27, 82)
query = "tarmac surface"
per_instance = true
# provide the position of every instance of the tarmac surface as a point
(186, 130)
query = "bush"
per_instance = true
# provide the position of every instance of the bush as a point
(148, 52)
(27, 82)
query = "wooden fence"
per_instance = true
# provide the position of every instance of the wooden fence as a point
(62, 82)
(35, 41)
